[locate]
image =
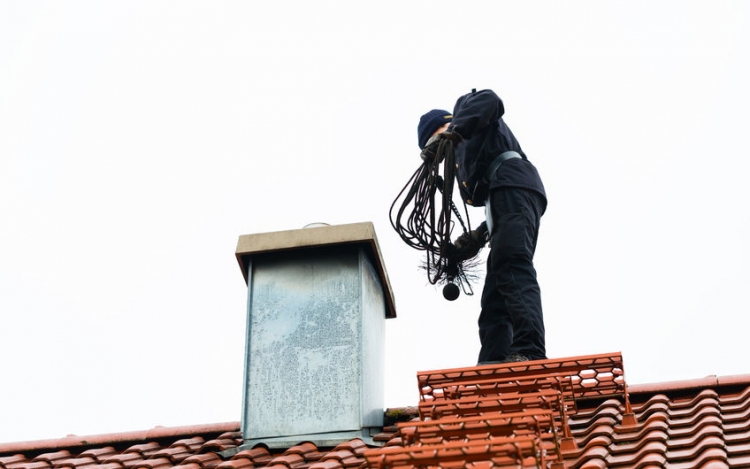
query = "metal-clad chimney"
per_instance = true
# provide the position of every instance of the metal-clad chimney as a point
(316, 307)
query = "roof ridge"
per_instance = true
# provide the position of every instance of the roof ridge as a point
(685, 384)
(155, 433)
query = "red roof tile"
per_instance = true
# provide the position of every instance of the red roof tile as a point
(577, 413)
(73, 463)
(100, 454)
(239, 463)
(6, 461)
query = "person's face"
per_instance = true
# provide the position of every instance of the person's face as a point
(442, 129)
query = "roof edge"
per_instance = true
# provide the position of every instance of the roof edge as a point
(710, 381)
(158, 432)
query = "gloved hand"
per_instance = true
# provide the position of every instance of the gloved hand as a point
(452, 136)
(430, 149)
(469, 244)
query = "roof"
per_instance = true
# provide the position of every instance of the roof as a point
(575, 412)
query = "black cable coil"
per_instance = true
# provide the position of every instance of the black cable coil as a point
(424, 223)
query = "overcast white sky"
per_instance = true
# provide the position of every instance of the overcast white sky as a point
(139, 140)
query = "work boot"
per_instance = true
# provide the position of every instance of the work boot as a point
(512, 358)
(516, 357)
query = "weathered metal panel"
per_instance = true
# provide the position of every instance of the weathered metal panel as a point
(373, 344)
(314, 345)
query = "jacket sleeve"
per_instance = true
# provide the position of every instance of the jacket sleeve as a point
(475, 111)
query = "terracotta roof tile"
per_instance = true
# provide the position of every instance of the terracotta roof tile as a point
(6, 461)
(111, 465)
(99, 454)
(290, 461)
(206, 460)
(737, 417)
(31, 465)
(175, 454)
(183, 465)
(303, 449)
(593, 464)
(340, 455)
(741, 461)
(594, 452)
(237, 463)
(258, 456)
(53, 456)
(356, 446)
(155, 463)
(191, 444)
(73, 463)
(736, 440)
(222, 442)
(122, 458)
(692, 452)
(145, 450)
(330, 464)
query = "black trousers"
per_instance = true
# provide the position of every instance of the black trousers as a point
(511, 320)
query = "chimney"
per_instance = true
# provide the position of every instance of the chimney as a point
(317, 300)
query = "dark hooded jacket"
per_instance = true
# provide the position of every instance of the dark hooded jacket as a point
(478, 119)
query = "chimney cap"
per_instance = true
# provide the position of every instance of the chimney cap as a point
(314, 237)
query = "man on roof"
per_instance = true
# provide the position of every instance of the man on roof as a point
(493, 171)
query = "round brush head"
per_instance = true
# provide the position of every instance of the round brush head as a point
(451, 291)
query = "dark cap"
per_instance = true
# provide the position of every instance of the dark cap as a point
(429, 123)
